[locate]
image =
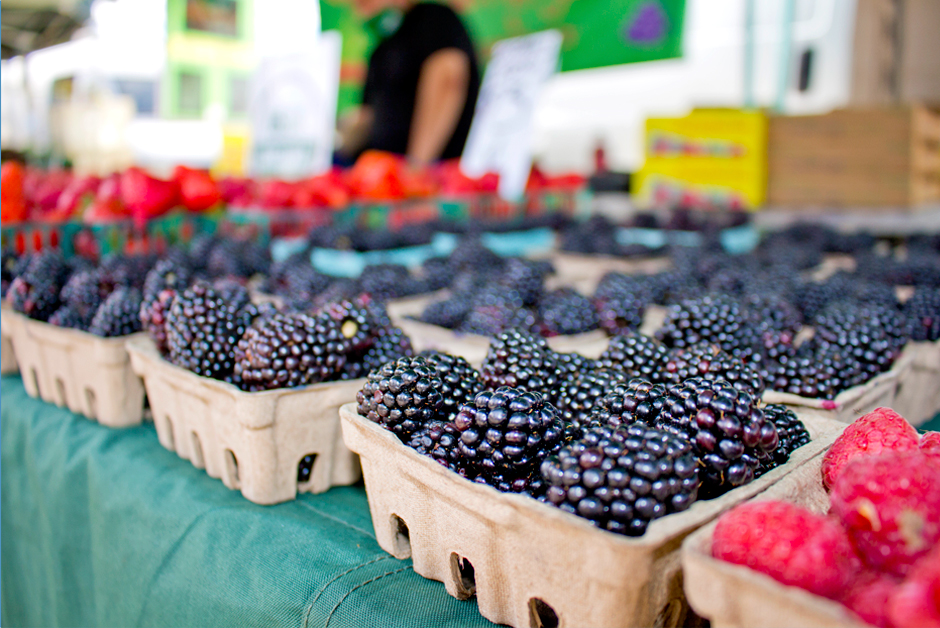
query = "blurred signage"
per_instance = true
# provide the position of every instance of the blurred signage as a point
(293, 111)
(500, 137)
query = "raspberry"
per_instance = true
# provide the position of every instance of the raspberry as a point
(917, 602)
(869, 596)
(890, 506)
(930, 443)
(788, 543)
(868, 436)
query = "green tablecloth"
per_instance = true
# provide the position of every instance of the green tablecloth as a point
(104, 527)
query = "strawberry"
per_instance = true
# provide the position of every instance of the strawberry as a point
(198, 190)
(147, 197)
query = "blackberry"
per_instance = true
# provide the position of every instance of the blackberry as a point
(774, 312)
(433, 438)
(8, 264)
(572, 365)
(297, 282)
(727, 428)
(717, 319)
(153, 316)
(460, 382)
(923, 312)
(791, 432)
(621, 479)
(524, 278)
(354, 320)
(203, 330)
(66, 316)
(711, 363)
(390, 343)
(402, 396)
(805, 376)
(117, 269)
(869, 334)
(83, 294)
(620, 313)
(505, 434)
(165, 275)
(285, 352)
(119, 315)
(635, 355)
(638, 400)
(564, 312)
(577, 398)
(232, 292)
(520, 360)
(35, 292)
(449, 313)
(385, 281)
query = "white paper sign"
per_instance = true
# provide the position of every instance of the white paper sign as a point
(500, 137)
(293, 111)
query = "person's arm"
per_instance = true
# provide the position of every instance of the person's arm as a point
(441, 96)
(354, 129)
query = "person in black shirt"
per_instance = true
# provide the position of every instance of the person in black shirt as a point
(421, 86)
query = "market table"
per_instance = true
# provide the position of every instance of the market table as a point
(105, 527)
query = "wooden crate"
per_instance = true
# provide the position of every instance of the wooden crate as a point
(855, 157)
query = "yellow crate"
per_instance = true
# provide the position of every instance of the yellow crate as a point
(709, 158)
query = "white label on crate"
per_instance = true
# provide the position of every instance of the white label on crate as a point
(500, 137)
(293, 110)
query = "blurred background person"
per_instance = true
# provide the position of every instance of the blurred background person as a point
(421, 86)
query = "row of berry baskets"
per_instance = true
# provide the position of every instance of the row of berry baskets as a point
(528, 562)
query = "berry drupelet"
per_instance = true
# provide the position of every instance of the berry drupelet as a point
(402, 396)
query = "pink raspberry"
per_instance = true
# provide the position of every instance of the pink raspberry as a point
(930, 443)
(869, 435)
(917, 601)
(788, 543)
(869, 596)
(890, 506)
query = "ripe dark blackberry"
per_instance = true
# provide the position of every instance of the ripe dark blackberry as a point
(434, 435)
(711, 363)
(573, 365)
(355, 322)
(8, 264)
(923, 312)
(165, 275)
(622, 478)
(203, 330)
(66, 316)
(870, 334)
(390, 343)
(402, 396)
(83, 294)
(449, 313)
(717, 319)
(638, 400)
(119, 315)
(287, 350)
(232, 292)
(634, 355)
(489, 318)
(791, 432)
(35, 292)
(520, 360)
(772, 311)
(805, 376)
(525, 278)
(620, 313)
(460, 382)
(564, 312)
(576, 398)
(117, 269)
(727, 428)
(153, 316)
(385, 281)
(505, 434)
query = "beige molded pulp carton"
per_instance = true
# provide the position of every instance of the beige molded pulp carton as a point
(253, 442)
(918, 396)
(734, 596)
(7, 357)
(529, 563)
(85, 373)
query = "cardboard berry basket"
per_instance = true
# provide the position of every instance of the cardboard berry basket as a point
(586, 271)
(918, 396)
(529, 563)
(87, 374)
(880, 391)
(7, 357)
(253, 442)
(736, 596)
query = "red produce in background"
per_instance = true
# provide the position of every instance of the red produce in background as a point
(325, 190)
(198, 190)
(236, 191)
(80, 192)
(377, 176)
(276, 193)
(147, 197)
(45, 190)
(108, 205)
(13, 200)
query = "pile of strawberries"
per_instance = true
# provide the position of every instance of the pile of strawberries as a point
(877, 551)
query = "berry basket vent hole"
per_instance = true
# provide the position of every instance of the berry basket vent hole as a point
(231, 466)
(91, 403)
(35, 376)
(61, 397)
(305, 468)
(402, 538)
(170, 436)
(198, 460)
(462, 572)
(541, 615)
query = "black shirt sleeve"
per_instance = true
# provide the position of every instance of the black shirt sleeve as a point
(440, 29)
